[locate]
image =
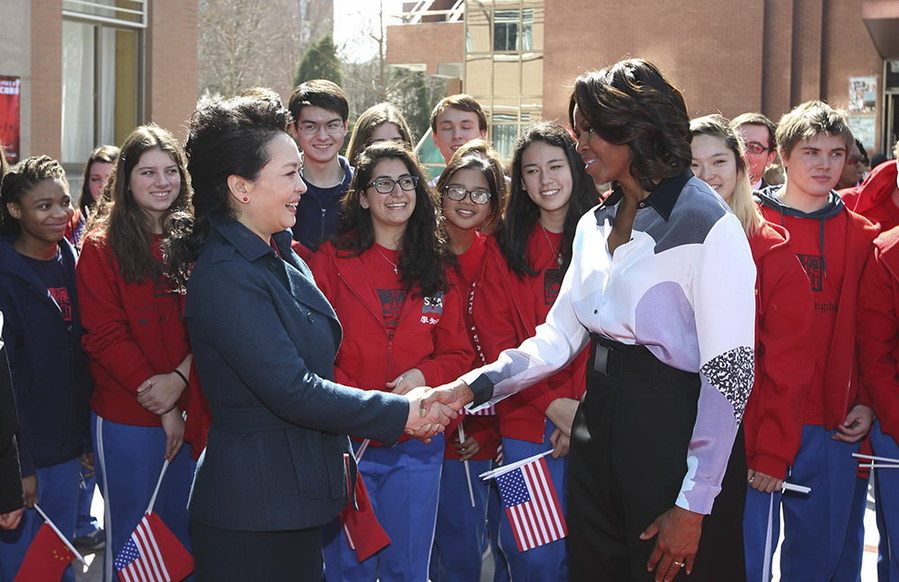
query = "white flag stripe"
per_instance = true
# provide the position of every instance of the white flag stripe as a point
(148, 564)
(548, 502)
(158, 561)
(538, 507)
(524, 533)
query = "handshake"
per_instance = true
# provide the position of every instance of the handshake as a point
(432, 409)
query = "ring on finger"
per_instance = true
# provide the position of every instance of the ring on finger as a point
(678, 564)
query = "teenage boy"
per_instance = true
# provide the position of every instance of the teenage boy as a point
(833, 244)
(455, 121)
(758, 133)
(320, 112)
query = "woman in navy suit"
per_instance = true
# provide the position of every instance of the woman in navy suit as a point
(277, 464)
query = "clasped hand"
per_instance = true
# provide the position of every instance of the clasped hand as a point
(432, 409)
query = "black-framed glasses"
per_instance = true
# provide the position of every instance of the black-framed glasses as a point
(458, 193)
(386, 185)
(754, 147)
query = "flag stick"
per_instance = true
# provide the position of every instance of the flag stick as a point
(873, 458)
(796, 488)
(512, 466)
(873, 466)
(465, 463)
(165, 465)
(361, 450)
(55, 529)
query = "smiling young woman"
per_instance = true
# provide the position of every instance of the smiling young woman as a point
(387, 274)
(136, 339)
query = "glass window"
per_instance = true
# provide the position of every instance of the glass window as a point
(101, 86)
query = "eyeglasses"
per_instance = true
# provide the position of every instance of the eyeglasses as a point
(754, 147)
(334, 127)
(458, 193)
(386, 185)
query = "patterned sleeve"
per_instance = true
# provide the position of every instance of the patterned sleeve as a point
(555, 343)
(724, 305)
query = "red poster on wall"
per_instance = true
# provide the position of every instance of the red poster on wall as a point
(10, 94)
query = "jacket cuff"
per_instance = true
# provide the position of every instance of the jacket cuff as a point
(769, 466)
(481, 387)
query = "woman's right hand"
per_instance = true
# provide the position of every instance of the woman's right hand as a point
(426, 419)
(173, 426)
(29, 490)
(11, 520)
(763, 483)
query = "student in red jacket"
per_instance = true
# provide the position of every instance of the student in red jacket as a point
(549, 192)
(878, 355)
(473, 190)
(877, 198)
(772, 423)
(833, 244)
(137, 341)
(386, 274)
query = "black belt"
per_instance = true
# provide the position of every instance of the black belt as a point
(613, 358)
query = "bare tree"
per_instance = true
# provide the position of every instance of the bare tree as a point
(247, 43)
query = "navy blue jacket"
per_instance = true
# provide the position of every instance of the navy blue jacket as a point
(50, 372)
(264, 340)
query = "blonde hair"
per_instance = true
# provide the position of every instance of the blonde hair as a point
(740, 201)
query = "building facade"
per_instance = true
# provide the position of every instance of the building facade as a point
(89, 71)
(520, 57)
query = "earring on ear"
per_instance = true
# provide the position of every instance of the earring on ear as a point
(246, 199)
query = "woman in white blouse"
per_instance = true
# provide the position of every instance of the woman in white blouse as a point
(661, 282)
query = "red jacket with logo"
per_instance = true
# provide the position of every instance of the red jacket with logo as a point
(834, 244)
(878, 331)
(506, 310)
(429, 335)
(133, 331)
(772, 423)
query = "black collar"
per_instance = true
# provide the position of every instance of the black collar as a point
(662, 198)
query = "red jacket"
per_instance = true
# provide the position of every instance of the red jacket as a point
(878, 331)
(873, 198)
(133, 331)
(429, 335)
(845, 238)
(507, 310)
(773, 420)
(484, 429)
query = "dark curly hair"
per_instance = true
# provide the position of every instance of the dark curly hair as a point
(632, 103)
(521, 213)
(225, 138)
(425, 253)
(20, 179)
(120, 222)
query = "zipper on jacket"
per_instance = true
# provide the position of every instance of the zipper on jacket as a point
(389, 352)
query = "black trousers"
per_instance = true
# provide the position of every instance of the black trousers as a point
(626, 466)
(223, 555)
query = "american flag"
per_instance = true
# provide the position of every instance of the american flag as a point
(153, 554)
(532, 505)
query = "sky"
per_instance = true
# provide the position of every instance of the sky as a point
(354, 23)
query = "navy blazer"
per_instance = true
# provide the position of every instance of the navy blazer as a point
(264, 340)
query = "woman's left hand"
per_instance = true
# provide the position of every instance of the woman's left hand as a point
(406, 381)
(856, 424)
(160, 393)
(678, 530)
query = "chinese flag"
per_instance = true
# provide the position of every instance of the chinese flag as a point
(363, 531)
(46, 559)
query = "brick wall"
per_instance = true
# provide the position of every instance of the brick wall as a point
(430, 44)
(46, 77)
(171, 64)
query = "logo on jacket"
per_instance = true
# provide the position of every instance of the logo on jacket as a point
(814, 268)
(432, 309)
